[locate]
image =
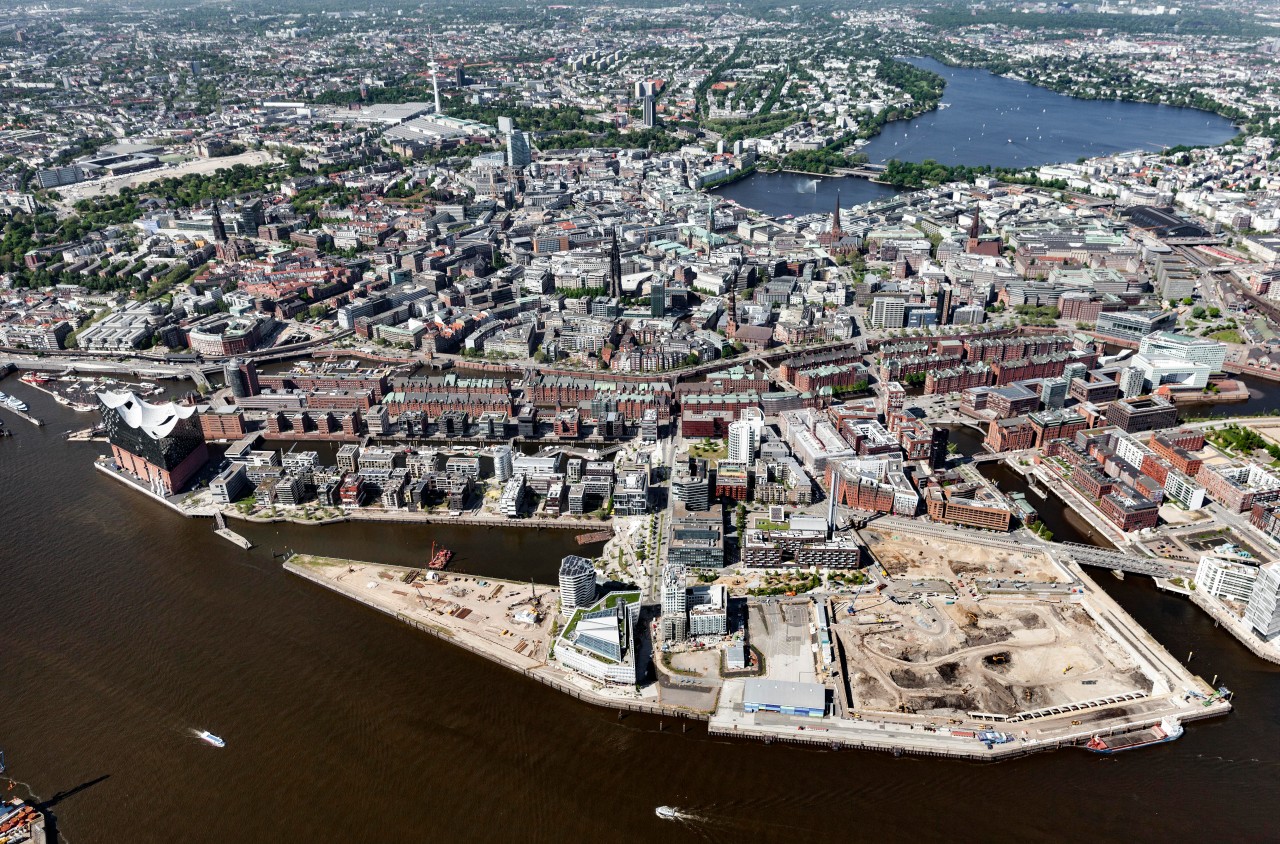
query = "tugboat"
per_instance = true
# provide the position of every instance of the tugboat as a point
(439, 559)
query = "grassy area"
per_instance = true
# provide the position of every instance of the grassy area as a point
(709, 449)
(612, 600)
(1228, 335)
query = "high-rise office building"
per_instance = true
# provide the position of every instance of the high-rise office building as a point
(577, 584)
(518, 152)
(657, 299)
(242, 377)
(650, 112)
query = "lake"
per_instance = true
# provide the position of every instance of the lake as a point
(989, 119)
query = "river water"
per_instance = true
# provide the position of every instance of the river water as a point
(996, 121)
(125, 626)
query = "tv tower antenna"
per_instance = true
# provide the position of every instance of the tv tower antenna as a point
(434, 68)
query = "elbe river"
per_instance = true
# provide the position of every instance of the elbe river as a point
(123, 627)
(996, 121)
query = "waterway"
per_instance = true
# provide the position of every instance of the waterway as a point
(996, 121)
(124, 626)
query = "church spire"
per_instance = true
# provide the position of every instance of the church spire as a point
(219, 229)
(615, 267)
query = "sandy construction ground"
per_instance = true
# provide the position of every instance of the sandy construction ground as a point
(919, 557)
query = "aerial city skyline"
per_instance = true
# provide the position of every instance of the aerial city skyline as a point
(826, 394)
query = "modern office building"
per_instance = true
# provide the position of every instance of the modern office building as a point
(650, 112)
(888, 312)
(1146, 413)
(690, 484)
(697, 540)
(159, 444)
(1168, 370)
(600, 642)
(577, 584)
(1134, 325)
(242, 377)
(518, 151)
(1169, 344)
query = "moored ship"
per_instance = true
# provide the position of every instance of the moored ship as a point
(1167, 730)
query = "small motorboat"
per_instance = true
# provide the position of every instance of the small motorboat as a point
(667, 813)
(210, 738)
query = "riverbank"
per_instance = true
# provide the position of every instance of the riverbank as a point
(1237, 628)
(515, 624)
(199, 505)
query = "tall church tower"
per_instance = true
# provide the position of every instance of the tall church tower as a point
(219, 229)
(615, 267)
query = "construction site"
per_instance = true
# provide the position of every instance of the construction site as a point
(931, 656)
(509, 622)
(917, 556)
(964, 629)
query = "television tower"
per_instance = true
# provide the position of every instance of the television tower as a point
(434, 68)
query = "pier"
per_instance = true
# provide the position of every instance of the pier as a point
(229, 534)
(34, 420)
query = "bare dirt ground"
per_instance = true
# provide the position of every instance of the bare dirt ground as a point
(994, 657)
(921, 558)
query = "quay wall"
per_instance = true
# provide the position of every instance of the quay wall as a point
(1235, 627)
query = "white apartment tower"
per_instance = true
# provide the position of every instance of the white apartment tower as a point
(744, 436)
(675, 603)
(1263, 612)
(577, 584)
